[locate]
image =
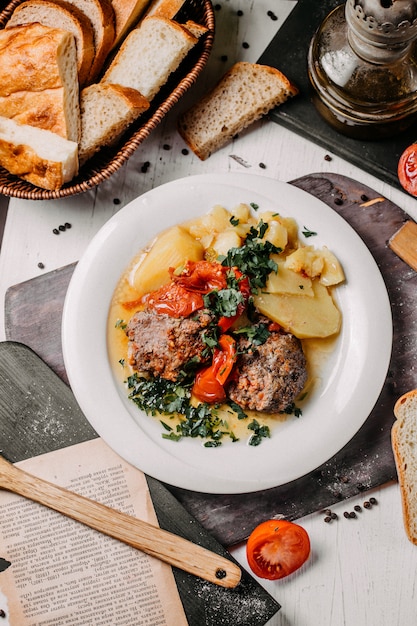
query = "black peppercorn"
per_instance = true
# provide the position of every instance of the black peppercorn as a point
(245, 45)
(338, 201)
(41, 265)
(357, 508)
(55, 231)
(372, 500)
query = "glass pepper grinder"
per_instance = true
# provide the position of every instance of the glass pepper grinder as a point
(362, 66)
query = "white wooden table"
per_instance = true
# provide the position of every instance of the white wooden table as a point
(362, 572)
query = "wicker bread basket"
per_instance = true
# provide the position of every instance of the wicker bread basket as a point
(109, 160)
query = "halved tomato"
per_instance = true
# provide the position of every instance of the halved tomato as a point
(277, 548)
(407, 169)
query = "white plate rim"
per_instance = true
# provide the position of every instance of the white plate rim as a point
(103, 401)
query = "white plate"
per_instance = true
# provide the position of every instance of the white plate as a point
(351, 383)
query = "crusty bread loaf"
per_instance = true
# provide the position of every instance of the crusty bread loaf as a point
(149, 54)
(60, 14)
(127, 14)
(38, 78)
(404, 445)
(244, 94)
(106, 112)
(43, 158)
(101, 15)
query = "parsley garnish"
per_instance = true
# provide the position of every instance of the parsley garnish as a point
(157, 396)
(308, 233)
(257, 333)
(253, 258)
(259, 432)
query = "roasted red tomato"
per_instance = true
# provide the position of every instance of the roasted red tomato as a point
(175, 300)
(202, 276)
(277, 548)
(208, 384)
(407, 169)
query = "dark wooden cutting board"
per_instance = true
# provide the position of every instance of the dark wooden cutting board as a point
(32, 317)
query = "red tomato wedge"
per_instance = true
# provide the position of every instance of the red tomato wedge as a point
(202, 276)
(209, 382)
(277, 548)
(407, 169)
(175, 300)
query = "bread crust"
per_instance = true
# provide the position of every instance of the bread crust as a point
(404, 446)
(28, 57)
(60, 14)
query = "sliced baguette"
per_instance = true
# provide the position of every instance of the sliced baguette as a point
(198, 30)
(60, 14)
(43, 158)
(38, 78)
(149, 54)
(404, 445)
(106, 112)
(127, 14)
(244, 94)
(165, 8)
(101, 15)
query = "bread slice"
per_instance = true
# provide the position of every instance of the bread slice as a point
(244, 94)
(38, 78)
(101, 15)
(43, 158)
(106, 112)
(165, 8)
(198, 30)
(127, 14)
(404, 445)
(60, 14)
(149, 54)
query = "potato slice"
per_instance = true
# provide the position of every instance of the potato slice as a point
(306, 259)
(285, 281)
(172, 248)
(303, 316)
(332, 273)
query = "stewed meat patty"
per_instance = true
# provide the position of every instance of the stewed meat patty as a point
(270, 376)
(161, 345)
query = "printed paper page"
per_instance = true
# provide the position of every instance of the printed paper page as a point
(63, 573)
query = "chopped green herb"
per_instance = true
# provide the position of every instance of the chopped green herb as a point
(253, 258)
(259, 432)
(241, 415)
(308, 233)
(157, 396)
(254, 206)
(234, 221)
(257, 333)
(122, 362)
(121, 324)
